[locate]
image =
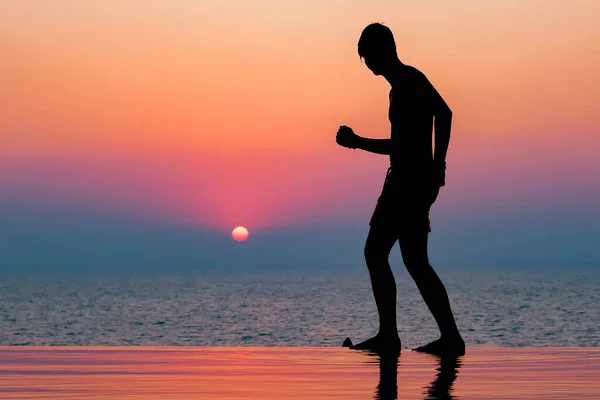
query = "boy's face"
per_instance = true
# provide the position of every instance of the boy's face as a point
(375, 63)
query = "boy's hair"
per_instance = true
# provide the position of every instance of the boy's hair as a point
(376, 38)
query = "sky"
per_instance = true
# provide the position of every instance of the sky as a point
(137, 134)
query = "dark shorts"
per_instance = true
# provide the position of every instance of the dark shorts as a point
(402, 208)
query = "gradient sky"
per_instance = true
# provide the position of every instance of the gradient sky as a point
(143, 132)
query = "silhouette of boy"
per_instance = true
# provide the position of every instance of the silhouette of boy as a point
(411, 186)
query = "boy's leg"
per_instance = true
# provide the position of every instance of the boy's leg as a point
(377, 249)
(414, 254)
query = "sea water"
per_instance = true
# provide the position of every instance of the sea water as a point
(294, 308)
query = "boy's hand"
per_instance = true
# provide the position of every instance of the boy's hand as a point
(346, 137)
(438, 179)
(439, 173)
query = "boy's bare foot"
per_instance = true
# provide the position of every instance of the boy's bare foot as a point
(380, 344)
(444, 347)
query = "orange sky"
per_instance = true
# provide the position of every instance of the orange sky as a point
(248, 95)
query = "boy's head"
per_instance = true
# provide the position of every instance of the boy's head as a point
(377, 47)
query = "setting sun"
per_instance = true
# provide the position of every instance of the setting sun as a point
(240, 234)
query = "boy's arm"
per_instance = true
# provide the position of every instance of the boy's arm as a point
(377, 146)
(347, 138)
(442, 126)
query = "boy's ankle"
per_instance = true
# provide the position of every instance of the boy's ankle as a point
(388, 334)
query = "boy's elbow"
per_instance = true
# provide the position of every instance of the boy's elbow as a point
(447, 111)
(444, 113)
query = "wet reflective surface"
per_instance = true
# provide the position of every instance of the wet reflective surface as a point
(295, 373)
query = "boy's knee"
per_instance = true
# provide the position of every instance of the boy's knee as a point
(374, 255)
(418, 268)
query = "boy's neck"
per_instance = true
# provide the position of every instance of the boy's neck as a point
(394, 76)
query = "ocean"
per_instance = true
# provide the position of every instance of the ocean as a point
(294, 308)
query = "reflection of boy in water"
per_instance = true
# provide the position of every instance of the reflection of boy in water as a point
(411, 186)
(439, 388)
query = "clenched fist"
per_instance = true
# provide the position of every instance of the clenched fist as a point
(346, 137)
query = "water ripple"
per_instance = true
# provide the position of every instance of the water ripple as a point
(292, 309)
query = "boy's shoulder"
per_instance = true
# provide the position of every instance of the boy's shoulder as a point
(413, 73)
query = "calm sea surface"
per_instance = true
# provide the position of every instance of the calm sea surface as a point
(541, 308)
